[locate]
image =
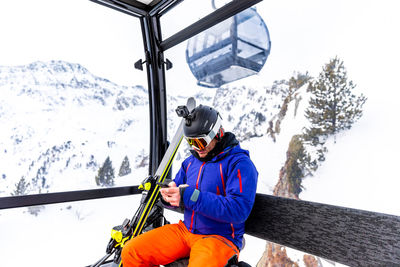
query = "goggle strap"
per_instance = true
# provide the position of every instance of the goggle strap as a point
(221, 132)
(215, 130)
(203, 141)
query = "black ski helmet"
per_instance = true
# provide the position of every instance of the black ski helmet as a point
(201, 121)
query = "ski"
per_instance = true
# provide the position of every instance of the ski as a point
(148, 212)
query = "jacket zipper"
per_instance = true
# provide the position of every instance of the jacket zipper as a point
(197, 187)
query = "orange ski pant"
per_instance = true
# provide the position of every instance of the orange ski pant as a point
(171, 242)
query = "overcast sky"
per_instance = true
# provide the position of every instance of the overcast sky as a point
(304, 35)
(79, 31)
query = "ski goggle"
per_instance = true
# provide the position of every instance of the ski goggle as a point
(199, 142)
(202, 141)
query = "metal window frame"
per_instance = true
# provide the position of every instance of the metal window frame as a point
(60, 197)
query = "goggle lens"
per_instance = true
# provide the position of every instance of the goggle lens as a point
(199, 143)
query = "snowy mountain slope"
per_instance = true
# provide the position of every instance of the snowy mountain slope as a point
(268, 155)
(361, 166)
(56, 83)
(247, 111)
(60, 122)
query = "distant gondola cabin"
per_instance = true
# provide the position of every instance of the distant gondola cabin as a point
(231, 50)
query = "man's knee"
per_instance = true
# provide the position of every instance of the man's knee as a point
(131, 255)
(127, 251)
(212, 251)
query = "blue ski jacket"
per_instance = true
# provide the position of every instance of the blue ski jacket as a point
(220, 195)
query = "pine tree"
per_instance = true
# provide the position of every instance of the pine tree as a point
(298, 164)
(297, 80)
(105, 175)
(333, 107)
(21, 187)
(125, 168)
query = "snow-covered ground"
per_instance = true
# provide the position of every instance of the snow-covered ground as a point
(361, 168)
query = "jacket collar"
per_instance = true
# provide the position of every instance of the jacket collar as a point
(221, 148)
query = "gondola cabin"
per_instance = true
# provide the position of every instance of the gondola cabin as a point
(231, 50)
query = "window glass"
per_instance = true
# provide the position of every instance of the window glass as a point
(251, 29)
(266, 111)
(71, 103)
(225, 52)
(66, 234)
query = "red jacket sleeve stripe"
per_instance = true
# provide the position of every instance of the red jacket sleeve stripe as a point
(222, 178)
(240, 181)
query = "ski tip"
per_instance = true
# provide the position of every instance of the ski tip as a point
(191, 103)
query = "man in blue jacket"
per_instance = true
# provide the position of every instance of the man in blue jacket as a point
(216, 186)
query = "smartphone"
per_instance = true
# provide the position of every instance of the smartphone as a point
(164, 184)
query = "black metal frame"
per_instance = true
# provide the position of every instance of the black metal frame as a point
(208, 21)
(52, 198)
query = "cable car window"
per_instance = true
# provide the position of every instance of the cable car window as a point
(249, 27)
(263, 109)
(231, 50)
(45, 233)
(70, 98)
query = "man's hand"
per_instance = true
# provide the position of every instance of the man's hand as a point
(171, 194)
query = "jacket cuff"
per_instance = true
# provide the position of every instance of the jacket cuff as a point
(190, 196)
(182, 193)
